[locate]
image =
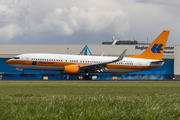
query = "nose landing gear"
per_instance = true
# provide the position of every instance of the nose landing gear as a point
(22, 74)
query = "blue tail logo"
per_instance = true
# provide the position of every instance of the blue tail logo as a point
(157, 48)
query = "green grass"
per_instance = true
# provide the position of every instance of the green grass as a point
(90, 100)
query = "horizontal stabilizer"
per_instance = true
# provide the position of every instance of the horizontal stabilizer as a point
(160, 61)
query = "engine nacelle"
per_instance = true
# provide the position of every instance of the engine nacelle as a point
(73, 70)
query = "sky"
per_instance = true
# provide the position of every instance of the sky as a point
(87, 21)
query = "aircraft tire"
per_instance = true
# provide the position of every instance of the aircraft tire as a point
(87, 77)
(22, 74)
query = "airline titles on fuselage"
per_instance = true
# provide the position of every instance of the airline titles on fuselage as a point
(51, 61)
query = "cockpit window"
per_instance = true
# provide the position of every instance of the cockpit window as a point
(16, 57)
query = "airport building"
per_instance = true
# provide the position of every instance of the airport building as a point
(126, 42)
(170, 69)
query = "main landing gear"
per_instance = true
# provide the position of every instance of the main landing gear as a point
(88, 77)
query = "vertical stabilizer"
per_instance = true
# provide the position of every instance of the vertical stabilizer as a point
(156, 49)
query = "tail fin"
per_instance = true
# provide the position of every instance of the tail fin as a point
(156, 49)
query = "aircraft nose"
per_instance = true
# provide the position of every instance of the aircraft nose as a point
(8, 62)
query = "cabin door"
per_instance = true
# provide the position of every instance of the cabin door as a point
(27, 60)
(140, 64)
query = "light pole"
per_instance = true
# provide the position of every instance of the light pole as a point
(67, 50)
(67, 53)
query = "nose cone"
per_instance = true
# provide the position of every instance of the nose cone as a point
(9, 62)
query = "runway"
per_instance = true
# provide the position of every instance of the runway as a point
(53, 80)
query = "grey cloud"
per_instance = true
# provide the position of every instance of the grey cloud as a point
(11, 20)
(81, 22)
(68, 21)
(34, 19)
(9, 31)
(174, 3)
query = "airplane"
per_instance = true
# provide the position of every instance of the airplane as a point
(77, 64)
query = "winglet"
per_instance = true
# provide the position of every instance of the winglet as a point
(121, 56)
(102, 54)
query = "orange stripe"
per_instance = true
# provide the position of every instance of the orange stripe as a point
(132, 67)
(49, 63)
(44, 63)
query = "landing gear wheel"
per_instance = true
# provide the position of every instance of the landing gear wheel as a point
(87, 77)
(22, 74)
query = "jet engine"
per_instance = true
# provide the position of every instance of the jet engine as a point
(73, 70)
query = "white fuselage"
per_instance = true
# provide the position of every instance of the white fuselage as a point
(57, 62)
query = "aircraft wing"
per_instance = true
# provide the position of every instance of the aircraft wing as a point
(103, 65)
